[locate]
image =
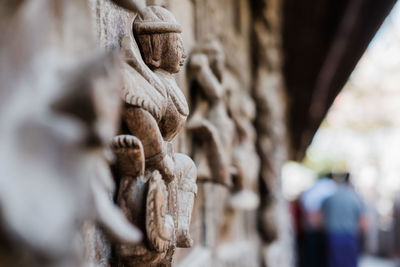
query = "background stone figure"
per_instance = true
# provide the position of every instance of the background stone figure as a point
(210, 123)
(212, 133)
(245, 159)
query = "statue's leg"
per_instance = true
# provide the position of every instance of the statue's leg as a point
(243, 197)
(215, 152)
(187, 190)
(159, 224)
(129, 155)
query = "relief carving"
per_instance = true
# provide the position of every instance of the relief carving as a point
(157, 187)
(221, 125)
(210, 124)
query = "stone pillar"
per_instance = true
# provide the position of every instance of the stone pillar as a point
(271, 99)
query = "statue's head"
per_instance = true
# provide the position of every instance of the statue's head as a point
(159, 38)
(215, 54)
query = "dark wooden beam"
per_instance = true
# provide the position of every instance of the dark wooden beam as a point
(323, 41)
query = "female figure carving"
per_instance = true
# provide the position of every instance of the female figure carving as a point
(157, 186)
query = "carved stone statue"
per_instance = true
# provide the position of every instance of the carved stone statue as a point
(212, 128)
(157, 187)
(222, 124)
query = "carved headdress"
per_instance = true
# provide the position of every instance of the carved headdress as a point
(150, 29)
(155, 19)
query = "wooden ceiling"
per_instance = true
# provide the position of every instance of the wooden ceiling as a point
(323, 41)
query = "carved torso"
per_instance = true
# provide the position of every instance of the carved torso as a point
(176, 109)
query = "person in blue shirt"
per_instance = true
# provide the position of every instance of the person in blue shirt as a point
(312, 242)
(343, 216)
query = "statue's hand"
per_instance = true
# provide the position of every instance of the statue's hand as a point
(199, 61)
(164, 164)
(131, 5)
(167, 168)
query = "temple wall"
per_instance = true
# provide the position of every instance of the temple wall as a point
(239, 221)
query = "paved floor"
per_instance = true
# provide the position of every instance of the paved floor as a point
(370, 261)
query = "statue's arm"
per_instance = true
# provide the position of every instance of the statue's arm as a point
(144, 126)
(203, 74)
(132, 5)
(137, 6)
(127, 49)
(132, 56)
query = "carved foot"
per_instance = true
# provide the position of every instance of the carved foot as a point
(184, 240)
(244, 200)
(130, 155)
(187, 173)
(185, 202)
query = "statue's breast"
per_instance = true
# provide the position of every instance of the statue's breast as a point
(171, 122)
(176, 111)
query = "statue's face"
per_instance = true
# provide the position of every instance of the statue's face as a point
(173, 56)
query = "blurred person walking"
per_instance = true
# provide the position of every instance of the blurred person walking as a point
(344, 220)
(396, 229)
(311, 251)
